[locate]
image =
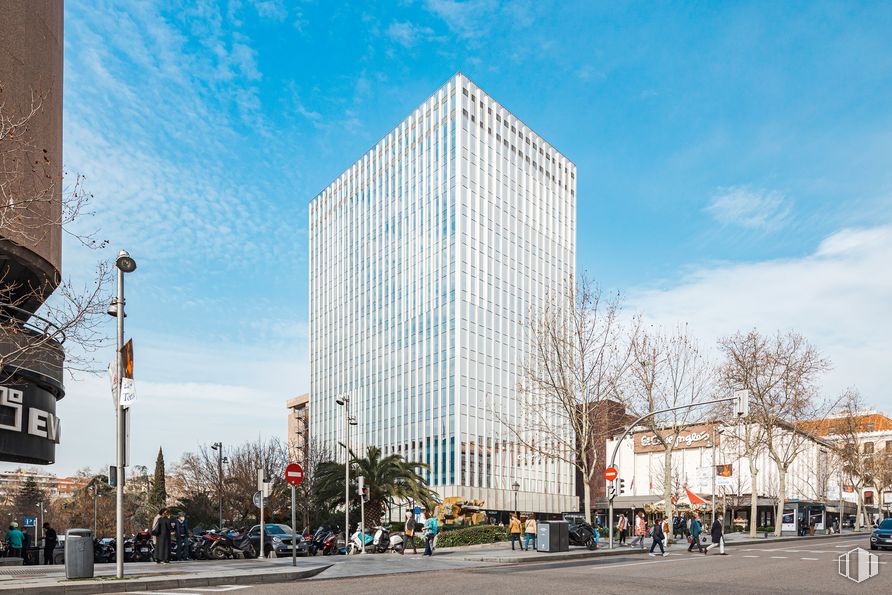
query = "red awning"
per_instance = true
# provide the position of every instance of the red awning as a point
(694, 498)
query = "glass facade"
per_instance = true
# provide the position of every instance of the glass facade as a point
(426, 256)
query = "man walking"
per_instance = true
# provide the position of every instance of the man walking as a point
(50, 539)
(182, 533)
(531, 529)
(640, 531)
(718, 539)
(514, 531)
(658, 535)
(696, 529)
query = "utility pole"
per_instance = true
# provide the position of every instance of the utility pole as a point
(218, 446)
(344, 401)
(95, 494)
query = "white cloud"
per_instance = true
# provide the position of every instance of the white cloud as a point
(839, 297)
(408, 34)
(750, 208)
(469, 19)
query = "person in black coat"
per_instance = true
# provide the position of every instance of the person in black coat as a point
(161, 536)
(50, 539)
(182, 533)
(718, 539)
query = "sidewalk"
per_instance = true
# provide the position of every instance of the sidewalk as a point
(147, 576)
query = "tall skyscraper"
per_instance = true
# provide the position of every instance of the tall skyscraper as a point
(427, 256)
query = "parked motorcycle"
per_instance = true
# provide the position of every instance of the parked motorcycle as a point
(356, 542)
(334, 545)
(139, 548)
(582, 534)
(385, 540)
(104, 550)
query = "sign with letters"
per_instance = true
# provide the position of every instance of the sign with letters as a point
(699, 436)
(29, 426)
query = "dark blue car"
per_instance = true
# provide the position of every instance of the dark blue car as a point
(882, 535)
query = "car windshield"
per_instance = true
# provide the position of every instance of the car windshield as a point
(272, 529)
(886, 524)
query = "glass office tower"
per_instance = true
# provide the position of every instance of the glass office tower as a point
(427, 256)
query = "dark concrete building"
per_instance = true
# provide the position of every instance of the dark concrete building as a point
(31, 47)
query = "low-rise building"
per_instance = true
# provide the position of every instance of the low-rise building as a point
(299, 428)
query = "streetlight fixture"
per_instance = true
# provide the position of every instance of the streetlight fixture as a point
(125, 264)
(349, 420)
(516, 488)
(218, 446)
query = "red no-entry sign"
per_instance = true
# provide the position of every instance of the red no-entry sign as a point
(294, 474)
(610, 473)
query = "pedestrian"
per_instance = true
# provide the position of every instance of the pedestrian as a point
(15, 539)
(26, 548)
(596, 531)
(640, 531)
(409, 532)
(666, 530)
(182, 533)
(696, 529)
(718, 539)
(622, 526)
(658, 537)
(514, 531)
(161, 537)
(430, 533)
(531, 530)
(50, 539)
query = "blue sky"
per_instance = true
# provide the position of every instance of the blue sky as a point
(734, 170)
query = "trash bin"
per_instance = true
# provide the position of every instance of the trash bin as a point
(78, 553)
(554, 536)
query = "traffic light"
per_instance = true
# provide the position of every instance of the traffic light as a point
(622, 486)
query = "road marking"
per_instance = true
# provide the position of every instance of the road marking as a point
(751, 556)
(779, 557)
(810, 558)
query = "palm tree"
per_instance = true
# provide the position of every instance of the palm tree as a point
(387, 478)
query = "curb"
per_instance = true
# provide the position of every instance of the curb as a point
(154, 584)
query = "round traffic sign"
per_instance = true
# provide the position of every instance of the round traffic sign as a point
(256, 500)
(610, 473)
(294, 474)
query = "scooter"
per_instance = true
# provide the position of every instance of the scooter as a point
(334, 545)
(357, 540)
(385, 540)
(583, 534)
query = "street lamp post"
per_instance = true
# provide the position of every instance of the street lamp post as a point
(95, 495)
(344, 401)
(516, 488)
(124, 264)
(218, 446)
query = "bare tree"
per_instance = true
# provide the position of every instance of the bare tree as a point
(855, 459)
(667, 371)
(578, 357)
(780, 374)
(34, 319)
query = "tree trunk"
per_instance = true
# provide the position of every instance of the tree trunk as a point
(860, 496)
(754, 498)
(667, 483)
(781, 492)
(587, 489)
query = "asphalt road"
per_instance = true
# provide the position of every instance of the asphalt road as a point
(779, 568)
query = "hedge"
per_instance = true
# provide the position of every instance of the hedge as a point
(472, 536)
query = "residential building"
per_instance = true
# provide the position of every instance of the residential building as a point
(611, 419)
(427, 256)
(11, 483)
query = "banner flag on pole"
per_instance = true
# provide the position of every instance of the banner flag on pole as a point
(128, 390)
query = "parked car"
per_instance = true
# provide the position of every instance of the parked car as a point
(278, 541)
(882, 535)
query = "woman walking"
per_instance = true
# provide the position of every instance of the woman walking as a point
(718, 539)
(514, 530)
(623, 526)
(640, 531)
(531, 530)
(161, 537)
(409, 532)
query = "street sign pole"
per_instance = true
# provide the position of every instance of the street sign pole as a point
(293, 526)
(260, 479)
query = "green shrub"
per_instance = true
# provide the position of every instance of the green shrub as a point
(767, 528)
(472, 535)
